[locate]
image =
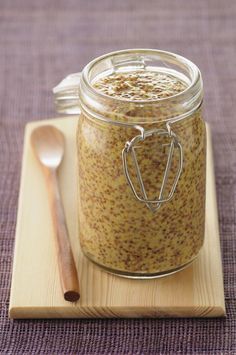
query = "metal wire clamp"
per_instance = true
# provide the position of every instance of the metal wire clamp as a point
(153, 204)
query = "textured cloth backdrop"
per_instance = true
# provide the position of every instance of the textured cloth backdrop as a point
(43, 41)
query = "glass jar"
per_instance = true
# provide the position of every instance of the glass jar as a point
(141, 165)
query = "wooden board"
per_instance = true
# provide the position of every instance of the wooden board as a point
(35, 293)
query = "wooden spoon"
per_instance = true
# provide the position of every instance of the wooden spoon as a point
(48, 145)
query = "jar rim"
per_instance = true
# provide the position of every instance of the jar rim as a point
(194, 70)
(98, 105)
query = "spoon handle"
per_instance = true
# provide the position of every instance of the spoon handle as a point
(66, 263)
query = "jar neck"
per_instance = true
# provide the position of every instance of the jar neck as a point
(128, 112)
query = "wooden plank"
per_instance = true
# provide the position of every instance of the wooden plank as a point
(36, 293)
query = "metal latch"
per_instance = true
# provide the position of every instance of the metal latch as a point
(153, 204)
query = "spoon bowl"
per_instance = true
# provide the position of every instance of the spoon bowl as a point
(48, 144)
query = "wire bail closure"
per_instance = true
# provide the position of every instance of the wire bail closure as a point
(129, 148)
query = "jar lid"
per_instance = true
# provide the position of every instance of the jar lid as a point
(66, 95)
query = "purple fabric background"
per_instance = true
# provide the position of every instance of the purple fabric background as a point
(43, 41)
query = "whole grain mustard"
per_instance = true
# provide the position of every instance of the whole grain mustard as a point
(117, 231)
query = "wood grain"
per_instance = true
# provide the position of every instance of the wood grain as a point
(196, 291)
